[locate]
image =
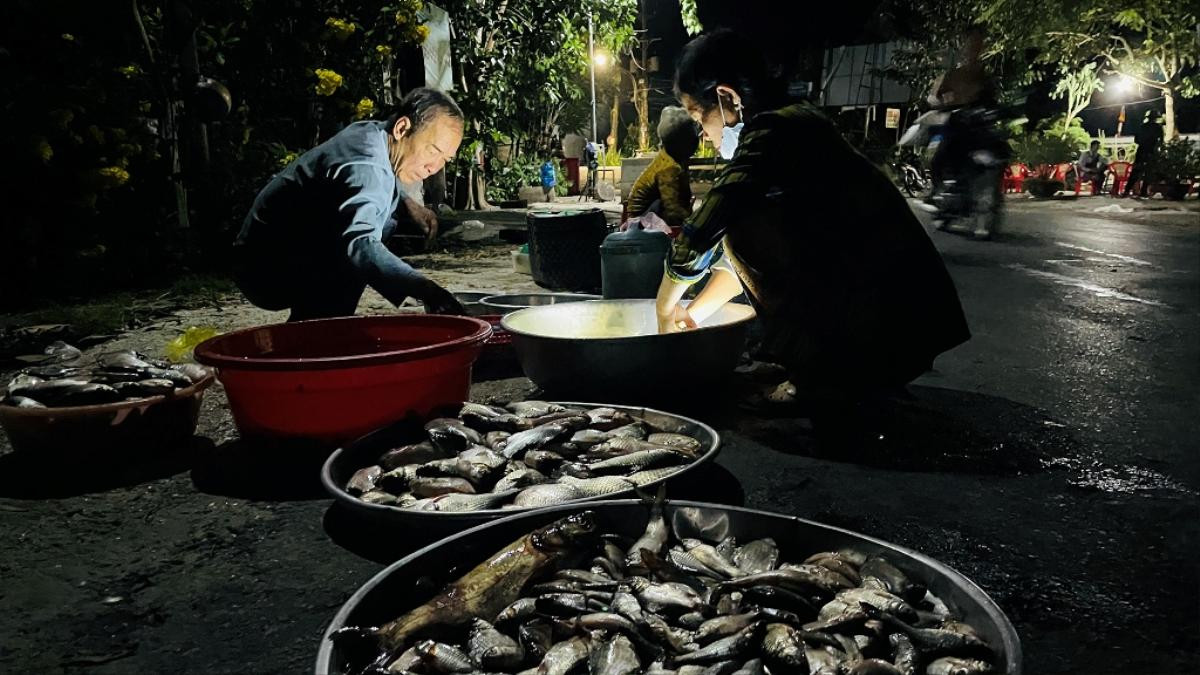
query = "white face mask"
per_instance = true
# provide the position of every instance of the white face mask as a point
(729, 135)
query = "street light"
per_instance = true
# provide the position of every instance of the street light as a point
(1124, 85)
(601, 59)
(592, 68)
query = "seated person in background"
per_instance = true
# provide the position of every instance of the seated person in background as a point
(1091, 166)
(664, 187)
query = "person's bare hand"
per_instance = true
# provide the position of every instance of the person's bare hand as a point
(675, 320)
(425, 218)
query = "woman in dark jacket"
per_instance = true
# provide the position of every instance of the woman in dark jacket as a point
(853, 297)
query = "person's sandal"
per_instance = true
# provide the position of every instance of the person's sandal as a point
(777, 401)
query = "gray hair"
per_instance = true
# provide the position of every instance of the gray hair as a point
(679, 134)
(422, 105)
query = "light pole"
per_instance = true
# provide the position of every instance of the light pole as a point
(592, 68)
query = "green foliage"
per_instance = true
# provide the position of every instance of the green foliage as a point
(524, 63)
(1151, 41)
(507, 179)
(610, 157)
(705, 150)
(1178, 160)
(561, 188)
(691, 21)
(1072, 132)
(935, 30)
(1042, 151)
(1076, 86)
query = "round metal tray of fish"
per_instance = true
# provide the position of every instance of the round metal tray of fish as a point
(456, 472)
(616, 587)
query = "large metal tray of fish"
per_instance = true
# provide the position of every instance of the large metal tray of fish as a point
(617, 587)
(491, 461)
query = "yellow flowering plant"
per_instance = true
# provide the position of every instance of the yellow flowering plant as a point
(364, 109)
(112, 176)
(327, 82)
(340, 29)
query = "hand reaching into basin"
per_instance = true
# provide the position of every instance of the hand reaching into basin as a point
(438, 300)
(675, 320)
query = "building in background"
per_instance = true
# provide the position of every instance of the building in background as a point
(869, 107)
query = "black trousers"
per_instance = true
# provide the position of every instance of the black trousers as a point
(1138, 173)
(313, 286)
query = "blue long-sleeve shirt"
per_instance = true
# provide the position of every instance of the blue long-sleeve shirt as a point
(335, 205)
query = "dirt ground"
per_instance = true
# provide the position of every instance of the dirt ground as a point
(221, 557)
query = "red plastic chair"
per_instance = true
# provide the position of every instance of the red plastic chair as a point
(1014, 177)
(1120, 174)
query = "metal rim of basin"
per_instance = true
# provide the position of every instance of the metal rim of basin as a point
(508, 302)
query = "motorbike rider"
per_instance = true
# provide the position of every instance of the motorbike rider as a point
(967, 164)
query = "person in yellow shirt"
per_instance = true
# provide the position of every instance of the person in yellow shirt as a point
(664, 188)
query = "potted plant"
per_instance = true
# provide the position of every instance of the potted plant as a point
(1175, 167)
(1043, 152)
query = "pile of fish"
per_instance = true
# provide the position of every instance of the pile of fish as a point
(526, 454)
(70, 380)
(562, 600)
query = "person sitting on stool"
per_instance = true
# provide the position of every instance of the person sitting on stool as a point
(1092, 166)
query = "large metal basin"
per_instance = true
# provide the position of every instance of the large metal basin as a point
(611, 350)
(406, 583)
(502, 304)
(365, 451)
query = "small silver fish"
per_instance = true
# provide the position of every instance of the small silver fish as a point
(594, 487)
(562, 657)
(522, 478)
(546, 494)
(444, 658)
(418, 453)
(432, 487)
(363, 480)
(637, 461)
(952, 665)
(379, 497)
(725, 648)
(464, 502)
(491, 649)
(533, 408)
(713, 560)
(682, 442)
(614, 656)
(760, 555)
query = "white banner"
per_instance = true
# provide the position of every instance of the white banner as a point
(438, 71)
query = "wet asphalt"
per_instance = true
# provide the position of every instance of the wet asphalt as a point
(1054, 457)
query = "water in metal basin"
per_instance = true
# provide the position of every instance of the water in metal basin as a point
(607, 319)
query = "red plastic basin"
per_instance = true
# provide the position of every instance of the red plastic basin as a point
(336, 379)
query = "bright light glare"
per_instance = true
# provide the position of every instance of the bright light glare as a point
(1124, 85)
(601, 59)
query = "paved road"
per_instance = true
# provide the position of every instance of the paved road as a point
(1053, 458)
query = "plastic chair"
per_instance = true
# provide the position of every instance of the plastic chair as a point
(1120, 174)
(1014, 177)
